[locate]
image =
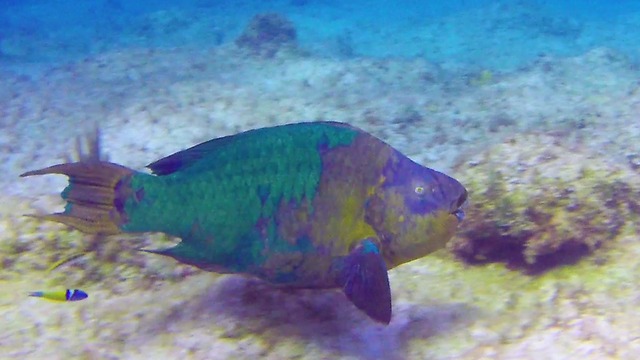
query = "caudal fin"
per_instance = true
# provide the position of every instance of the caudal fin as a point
(95, 195)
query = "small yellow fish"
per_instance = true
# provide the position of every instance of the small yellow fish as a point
(63, 295)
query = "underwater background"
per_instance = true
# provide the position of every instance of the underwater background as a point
(533, 105)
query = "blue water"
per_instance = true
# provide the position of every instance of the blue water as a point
(476, 33)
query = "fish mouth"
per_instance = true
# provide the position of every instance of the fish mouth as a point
(459, 214)
(459, 206)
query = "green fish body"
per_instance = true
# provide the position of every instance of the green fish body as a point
(311, 205)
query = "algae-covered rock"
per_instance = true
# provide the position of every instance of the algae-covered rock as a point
(267, 34)
(535, 203)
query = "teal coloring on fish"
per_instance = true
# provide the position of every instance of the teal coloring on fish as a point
(305, 205)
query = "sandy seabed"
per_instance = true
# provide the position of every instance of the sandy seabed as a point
(149, 104)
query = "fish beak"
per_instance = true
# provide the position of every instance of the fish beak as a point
(459, 206)
(459, 214)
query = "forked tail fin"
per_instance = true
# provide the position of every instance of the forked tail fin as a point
(95, 195)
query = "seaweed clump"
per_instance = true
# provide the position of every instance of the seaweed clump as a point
(267, 34)
(535, 204)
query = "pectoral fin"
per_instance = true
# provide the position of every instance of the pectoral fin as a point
(366, 283)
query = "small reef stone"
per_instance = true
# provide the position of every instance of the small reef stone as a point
(267, 34)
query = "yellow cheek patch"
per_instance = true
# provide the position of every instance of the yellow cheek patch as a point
(344, 225)
(350, 224)
(426, 235)
(394, 201)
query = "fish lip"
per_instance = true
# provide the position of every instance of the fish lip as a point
(460, 204)
(459, 214)
(459, 210)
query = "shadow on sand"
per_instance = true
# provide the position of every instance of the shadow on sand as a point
(325, 318)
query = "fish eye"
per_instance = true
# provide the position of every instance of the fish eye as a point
(419, 190)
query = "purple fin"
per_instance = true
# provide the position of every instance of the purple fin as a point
(366, 283)
(185, 158)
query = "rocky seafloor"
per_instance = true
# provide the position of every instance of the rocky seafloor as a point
(544, 265)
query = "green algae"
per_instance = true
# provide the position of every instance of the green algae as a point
(484, 77)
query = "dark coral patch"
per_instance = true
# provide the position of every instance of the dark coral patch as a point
(484, 250)
(267, 34)
(538, 217)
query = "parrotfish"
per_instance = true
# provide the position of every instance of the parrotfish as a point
(305, 205)
(63, 295)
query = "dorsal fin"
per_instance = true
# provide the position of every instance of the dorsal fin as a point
(186, 158)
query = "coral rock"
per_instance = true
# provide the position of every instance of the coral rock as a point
(535, 204)
(267, 34)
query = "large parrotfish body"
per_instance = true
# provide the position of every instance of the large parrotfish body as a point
(312, 205)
